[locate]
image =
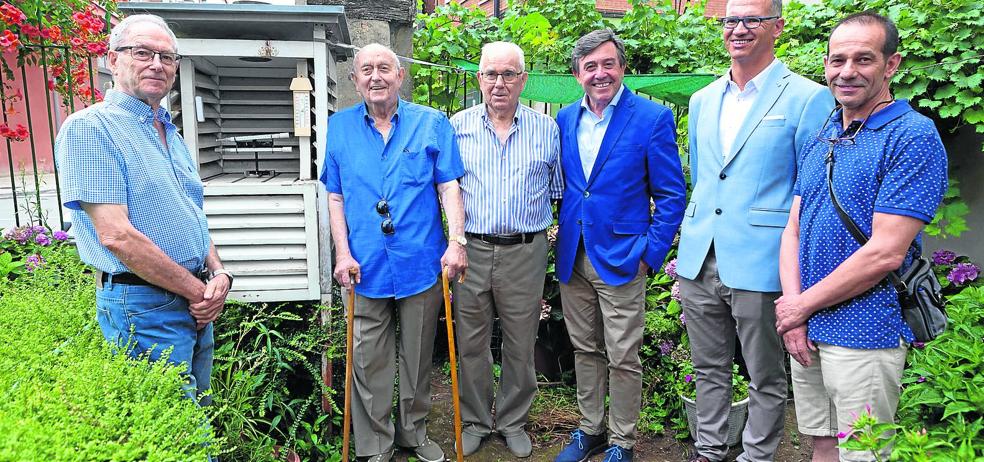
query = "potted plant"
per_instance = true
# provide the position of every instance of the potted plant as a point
(687, 389)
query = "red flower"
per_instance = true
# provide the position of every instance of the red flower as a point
(11, 15)
(77, 42)
(52, 33)
(51, 83)
(97, 48)
(30, 31)
(9, 41)
(17, 134)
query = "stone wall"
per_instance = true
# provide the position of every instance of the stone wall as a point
(389, 22)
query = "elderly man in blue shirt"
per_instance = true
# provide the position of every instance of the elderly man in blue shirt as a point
(512, 171)
(387, 163)
(839, 315)
(136, 201)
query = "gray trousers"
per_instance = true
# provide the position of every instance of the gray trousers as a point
(374, 370)
(508, 280)
(605, 324)
(715, 313)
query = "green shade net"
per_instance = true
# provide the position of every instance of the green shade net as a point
(564, 89)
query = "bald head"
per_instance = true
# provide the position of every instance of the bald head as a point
(507, 50)
(376, 49)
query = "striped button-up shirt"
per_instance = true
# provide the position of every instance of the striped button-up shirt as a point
(111, 153)
(507, 187)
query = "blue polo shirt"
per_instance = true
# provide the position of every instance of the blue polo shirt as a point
(110, 153)
(404, 170)
(896, 165)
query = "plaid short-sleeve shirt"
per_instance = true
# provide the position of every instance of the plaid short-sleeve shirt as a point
(111, 153)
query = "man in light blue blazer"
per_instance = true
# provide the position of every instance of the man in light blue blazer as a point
(746, 131)
(618, 153)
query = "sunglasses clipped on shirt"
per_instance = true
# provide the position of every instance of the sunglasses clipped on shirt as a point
(382, 208)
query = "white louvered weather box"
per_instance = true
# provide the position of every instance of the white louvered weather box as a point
(254, 91)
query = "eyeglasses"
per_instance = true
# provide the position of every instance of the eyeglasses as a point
(750, 22)
(507, 77)
(848, 135)
(144, 54)
(382, 208)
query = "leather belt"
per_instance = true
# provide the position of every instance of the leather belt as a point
(134, 280)
(504, 239)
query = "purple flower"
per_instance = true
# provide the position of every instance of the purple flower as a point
(33, 262)
(675, 291)
(21, 234)
(37, 229)
(42, 239)
(670, 269)
(918, 345)
(943, 257)
(921, 379)
(963, 273)
(666, 347)
(683, 319)
(60, 236)
(688, 378)
(842, 435)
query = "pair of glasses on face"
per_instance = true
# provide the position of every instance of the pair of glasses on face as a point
(507, 77)
(750, 22)
(383, 209)
(144, 54)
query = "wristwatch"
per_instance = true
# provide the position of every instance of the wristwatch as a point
(459, 239)
(225, 272)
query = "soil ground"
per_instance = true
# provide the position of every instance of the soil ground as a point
(650, 448)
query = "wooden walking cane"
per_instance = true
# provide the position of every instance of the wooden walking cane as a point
(346, 424)
(454, 366)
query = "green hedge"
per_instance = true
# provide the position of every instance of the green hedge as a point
(65, 396)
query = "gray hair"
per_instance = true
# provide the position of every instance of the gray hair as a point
(594, 39)
(380, 47)
(121, 31)
(775, 7)
(493, 48)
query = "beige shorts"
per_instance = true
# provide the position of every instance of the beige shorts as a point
(840, 383)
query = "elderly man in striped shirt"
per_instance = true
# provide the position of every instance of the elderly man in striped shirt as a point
(512, 171)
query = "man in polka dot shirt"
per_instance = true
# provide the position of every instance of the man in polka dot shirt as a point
(839, 317)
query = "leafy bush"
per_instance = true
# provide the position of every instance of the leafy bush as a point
(941, 410)
(266, 382)
(65, 395)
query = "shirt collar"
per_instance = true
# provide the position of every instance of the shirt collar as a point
(516, 117)
(135, 106)
(396, 115)
(611, 104)
(756, 81)
(879, 119)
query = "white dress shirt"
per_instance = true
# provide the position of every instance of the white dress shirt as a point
(591, 131)
(735, 107)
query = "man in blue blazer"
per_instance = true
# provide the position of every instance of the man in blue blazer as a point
(746, 131)
(618, 155)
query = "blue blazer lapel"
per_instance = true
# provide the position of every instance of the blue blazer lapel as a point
(571, 157)
(620, 119)
(771, 89)
(712, 117)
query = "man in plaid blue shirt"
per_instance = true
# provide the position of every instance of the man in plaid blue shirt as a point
(136, 200)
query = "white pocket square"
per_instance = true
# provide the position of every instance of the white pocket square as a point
(774, 117)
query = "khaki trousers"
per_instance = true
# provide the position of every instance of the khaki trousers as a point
(605, 324)
(374, 370)
(508, 280)
(715, 315)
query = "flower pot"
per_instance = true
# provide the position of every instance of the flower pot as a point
(736, 419)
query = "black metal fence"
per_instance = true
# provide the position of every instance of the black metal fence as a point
(33, 73)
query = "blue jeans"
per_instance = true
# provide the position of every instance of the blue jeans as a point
(158, 320)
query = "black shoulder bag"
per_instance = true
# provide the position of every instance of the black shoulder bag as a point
(920, 293)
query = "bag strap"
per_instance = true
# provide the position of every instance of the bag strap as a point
(852, 227)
